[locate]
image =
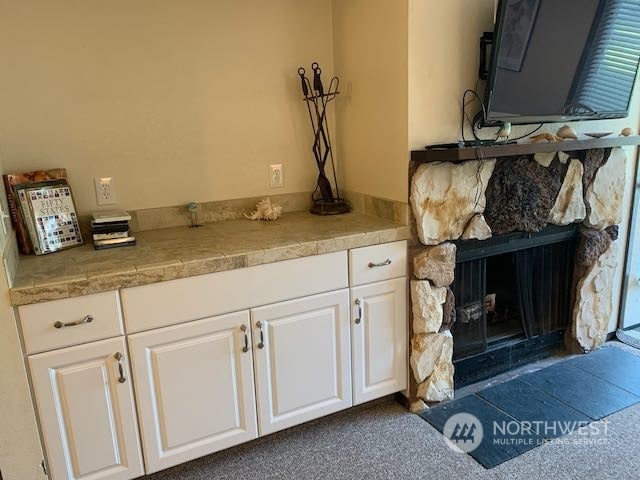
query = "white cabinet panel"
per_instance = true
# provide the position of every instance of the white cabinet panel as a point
(302, 359)
(194, 384)
(379, 339)
(176, 301)
(87, 412)
(377, 262)
(70, 321)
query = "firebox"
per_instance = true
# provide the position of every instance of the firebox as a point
(513, 300)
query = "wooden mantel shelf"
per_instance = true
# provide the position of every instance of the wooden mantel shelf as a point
(493, 151)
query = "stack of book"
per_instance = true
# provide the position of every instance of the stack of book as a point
(110, 229)
(42, 211)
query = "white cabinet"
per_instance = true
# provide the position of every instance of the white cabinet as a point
(379, 339)
(194, 386)
(86, 409)
(203, 382)
(302, 359)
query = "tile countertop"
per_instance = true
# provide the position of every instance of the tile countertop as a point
(179, 252)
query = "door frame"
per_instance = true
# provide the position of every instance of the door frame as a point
(633, 226)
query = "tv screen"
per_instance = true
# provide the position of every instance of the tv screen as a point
(562, 60)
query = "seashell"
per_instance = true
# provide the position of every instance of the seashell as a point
(545, 137)
(265, 210)
(567, 132)
(626, 132)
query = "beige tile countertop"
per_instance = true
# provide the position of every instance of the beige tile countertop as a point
(179, 252)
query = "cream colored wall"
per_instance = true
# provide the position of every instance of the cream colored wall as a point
(370, 39)
(20, 450)
(177, 100)
(443, 63)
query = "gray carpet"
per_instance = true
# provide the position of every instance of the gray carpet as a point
(382, 441)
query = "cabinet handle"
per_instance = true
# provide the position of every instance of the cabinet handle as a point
(381, 264)
(359, 317)
(87, 319)
(261, 344)
(245, 349)
(119, 358)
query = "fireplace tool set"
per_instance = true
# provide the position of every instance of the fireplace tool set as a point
(317, 100)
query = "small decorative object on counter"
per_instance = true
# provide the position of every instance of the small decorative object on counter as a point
(110, 229)
(317, 100)
(193, 210)
(265, 210)
(626, 132)
(567, 132)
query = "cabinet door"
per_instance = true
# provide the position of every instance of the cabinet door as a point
(379, 339)
(194, 385)
(302, 359)
(87, 413)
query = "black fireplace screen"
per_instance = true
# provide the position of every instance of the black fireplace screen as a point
(515, 288)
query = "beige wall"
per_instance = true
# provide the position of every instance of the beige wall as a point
(370, 39)
(178, 100)
(443, 62)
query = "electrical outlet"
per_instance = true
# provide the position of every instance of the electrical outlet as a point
(276, 180)
(105, 191)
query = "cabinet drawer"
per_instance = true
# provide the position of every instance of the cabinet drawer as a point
(177, 301)
(378, 262)
(62, 323)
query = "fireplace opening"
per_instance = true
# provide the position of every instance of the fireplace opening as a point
(513, 300)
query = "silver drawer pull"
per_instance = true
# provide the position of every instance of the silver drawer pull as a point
(260, 325)
(243, 328)
(87, 319)
(118, 356)
(382, 264)
(359, 317)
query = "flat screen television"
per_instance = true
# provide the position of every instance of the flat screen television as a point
(563, 60)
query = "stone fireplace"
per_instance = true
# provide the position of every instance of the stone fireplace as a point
(511, 254)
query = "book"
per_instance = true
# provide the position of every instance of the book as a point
(28, 221)
(110, 236)
(51, 217)
(18, 222)
(110, 216)
(24, 210)
(111, 227)
(113, 243)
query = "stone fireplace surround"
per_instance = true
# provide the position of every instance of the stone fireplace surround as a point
(477, 199)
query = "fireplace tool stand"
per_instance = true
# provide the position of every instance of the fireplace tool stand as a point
(317, 100)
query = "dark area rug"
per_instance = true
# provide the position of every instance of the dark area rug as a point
(506, 420)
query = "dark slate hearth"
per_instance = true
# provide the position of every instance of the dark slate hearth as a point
(521, 193)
